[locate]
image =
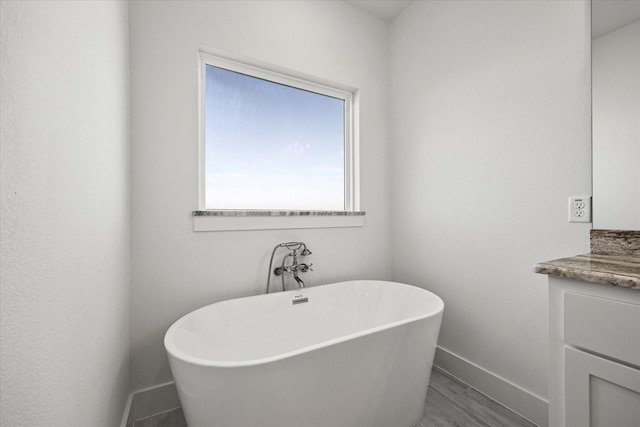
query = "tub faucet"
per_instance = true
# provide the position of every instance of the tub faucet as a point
(294, 268)
(299, 280)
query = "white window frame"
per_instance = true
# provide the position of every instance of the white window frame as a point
(212, 220)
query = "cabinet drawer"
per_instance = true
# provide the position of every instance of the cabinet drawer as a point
(605, 326)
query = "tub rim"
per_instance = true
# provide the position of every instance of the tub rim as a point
(178, 354)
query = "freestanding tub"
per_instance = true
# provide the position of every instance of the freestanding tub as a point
(355, 353)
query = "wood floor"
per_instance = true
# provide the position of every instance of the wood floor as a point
(450, 403)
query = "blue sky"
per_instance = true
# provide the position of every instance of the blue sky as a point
(271, 146)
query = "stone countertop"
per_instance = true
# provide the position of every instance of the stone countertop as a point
(616, 270)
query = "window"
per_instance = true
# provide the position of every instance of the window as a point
(273, 141)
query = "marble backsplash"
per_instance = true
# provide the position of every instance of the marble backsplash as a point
(615, 242)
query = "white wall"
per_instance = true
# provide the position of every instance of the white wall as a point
(65, 213)
(616, 129)
(490, 136)
(175, 270)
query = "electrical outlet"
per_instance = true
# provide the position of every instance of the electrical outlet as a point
(580, 209)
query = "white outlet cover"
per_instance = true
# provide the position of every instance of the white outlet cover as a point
(580, 209)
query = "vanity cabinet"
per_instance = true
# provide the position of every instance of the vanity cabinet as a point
(594, 354)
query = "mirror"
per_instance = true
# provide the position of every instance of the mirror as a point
(615, 65)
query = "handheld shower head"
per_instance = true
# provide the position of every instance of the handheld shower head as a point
(295, 246)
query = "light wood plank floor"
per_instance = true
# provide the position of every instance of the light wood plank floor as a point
(450, 403)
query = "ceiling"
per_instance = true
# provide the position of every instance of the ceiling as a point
(608, 15)
(386, 10)
(612, 14)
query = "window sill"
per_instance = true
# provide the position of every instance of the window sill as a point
(232, 220)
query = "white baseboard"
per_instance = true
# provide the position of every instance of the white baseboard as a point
(521, 401)
(150, 401)
(164, 397)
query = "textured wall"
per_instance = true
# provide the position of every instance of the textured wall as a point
(176, 270)
(64, 213)
(490, 136)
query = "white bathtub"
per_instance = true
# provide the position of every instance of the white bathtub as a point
(358, 353)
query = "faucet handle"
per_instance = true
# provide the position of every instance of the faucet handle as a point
(306, 267)
(279, 271)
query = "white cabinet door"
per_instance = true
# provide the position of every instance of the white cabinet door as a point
(600, 392)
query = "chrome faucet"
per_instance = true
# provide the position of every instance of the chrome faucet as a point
(295, 268)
